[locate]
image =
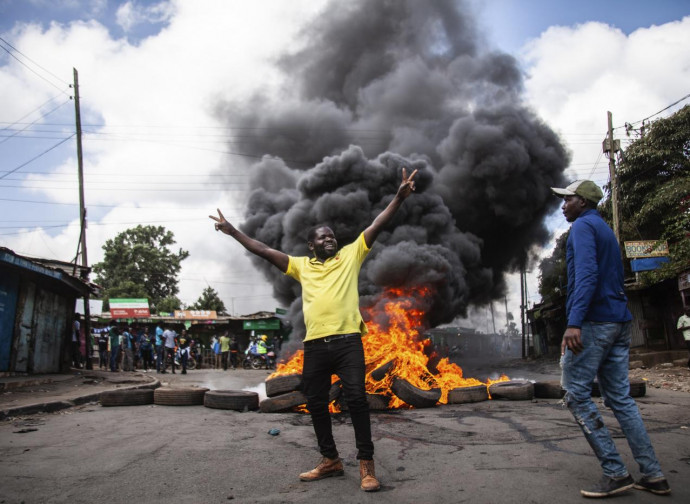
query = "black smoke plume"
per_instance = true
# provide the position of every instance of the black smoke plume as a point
(380, 85)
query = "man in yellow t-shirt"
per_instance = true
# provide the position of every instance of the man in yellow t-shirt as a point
(224, 350)
(333, 343)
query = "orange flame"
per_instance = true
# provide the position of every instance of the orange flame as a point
(394, 336)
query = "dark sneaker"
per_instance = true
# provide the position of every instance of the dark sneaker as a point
(609, 486)
(658, 486)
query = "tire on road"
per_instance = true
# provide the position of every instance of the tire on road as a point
(239, 400)
(132, 397)
(548, 389)
(335, 391)
(283, 402)
(415, 396)
(461, 395)
(638, 388)
(514, 390)
(187, 396)
(282, 384)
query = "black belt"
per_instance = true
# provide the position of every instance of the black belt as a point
(335, 337)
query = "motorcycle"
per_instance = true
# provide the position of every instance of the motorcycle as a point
(258, 361)
(191, 361)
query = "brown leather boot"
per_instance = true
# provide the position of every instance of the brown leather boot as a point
(326, 468)
(367, 476)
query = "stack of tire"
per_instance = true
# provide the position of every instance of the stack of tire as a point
(238, 400)
(552, 389)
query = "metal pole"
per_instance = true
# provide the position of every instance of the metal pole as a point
(522, 312)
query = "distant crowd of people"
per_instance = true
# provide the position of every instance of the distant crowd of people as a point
(124, 347)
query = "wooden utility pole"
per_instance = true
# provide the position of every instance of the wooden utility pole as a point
(610, 147)
(523, 296)
(82, 220)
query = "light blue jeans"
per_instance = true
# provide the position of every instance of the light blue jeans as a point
(605, 356)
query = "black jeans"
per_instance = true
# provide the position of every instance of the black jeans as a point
(344, 357)
(687, 344)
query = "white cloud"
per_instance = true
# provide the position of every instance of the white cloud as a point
(131, 14)
(159, 134)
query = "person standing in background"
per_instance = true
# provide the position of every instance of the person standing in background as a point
(684, 327)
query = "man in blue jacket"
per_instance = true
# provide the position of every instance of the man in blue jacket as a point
(596, 344)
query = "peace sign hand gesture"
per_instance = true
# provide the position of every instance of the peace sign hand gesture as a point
(222, 224)
(407, 184)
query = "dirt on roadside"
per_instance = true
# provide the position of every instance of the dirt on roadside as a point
(665, 376)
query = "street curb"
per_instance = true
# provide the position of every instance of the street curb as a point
(52, 406)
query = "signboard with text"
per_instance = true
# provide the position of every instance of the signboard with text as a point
(196, 314)
(645, 248)
(261, 325)
(129, 308)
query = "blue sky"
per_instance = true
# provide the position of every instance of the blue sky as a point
(129, 52)
(511, 23)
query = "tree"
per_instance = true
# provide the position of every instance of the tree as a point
(169, 304)
(654, 178)
(553, 272)
(139, 262)
(209, 300)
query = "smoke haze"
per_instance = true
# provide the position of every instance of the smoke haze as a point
(382, 85)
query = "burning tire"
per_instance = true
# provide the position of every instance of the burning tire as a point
(239, 400)
(134, 397)
(378, 402)
(414, 396)
(179, 396)
(472, 394)
(548, 389)
(380, 372)
(638, 388)
(335, 391)
(514, 390)
(282, 384)
(282, 402)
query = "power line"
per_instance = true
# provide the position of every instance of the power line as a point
(656, 113)
(17, 132)
(31, 69)
(35, 158)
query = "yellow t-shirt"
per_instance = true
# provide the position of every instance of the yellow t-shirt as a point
(224, 344)
(330, 297)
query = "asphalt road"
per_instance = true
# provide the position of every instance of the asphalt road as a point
(488, 452)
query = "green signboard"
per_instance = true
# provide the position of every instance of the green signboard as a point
(261, 325)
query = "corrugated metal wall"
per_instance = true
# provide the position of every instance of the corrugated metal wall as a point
(41, 330)
(635, 307)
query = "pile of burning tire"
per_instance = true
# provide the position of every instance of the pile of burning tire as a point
(283, 393)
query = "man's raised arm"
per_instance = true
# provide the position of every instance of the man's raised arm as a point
(275, 257)
(406, 187)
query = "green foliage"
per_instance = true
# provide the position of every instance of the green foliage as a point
(553, 272)
(654, 178)
(209, 300)
(140, 263)
(169, 304)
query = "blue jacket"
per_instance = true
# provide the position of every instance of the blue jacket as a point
(595, 273)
